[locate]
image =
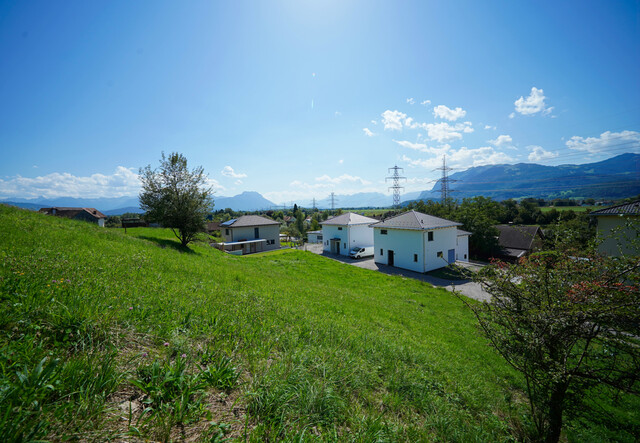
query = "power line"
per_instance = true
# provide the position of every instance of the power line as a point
(396, 184)
(333, 201)
(445, 189)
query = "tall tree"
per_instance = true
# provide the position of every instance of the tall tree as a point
(176, 197)
(569, 324)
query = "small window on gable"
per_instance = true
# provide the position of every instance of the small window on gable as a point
(226, 232)
(345, 245)
(383, 232)
(381, 252)
(430, 236)
(440, 254)
(339, 228)
(415, 257)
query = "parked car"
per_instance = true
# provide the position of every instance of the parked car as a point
(358, 252)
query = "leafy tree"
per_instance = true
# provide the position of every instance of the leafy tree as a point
(113, 221)
(176, 197)
(570, 325)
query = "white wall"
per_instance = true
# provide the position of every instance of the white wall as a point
(331, 232)
(101, 222)
(462, 248)
(443, 240)
(360, 235)
(404, 243)
(616, 234)
(313, 237)
(268, 232)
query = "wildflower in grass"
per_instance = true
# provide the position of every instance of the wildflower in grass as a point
(184, 355)
(166, 343)
(54, 281)
(131, 308)
(144, 354)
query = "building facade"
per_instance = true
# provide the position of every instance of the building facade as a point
(346, 231)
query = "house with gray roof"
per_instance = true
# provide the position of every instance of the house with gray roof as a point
(517, 241)
(418, 242)
(344, 232)
(91, 215)
(619, 229)
(249, 234)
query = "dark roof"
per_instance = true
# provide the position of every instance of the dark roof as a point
(249, 220)
(69, 212)
(461, 232)
(349, 219)
(632, 208)
(517, 237)
(415, 220)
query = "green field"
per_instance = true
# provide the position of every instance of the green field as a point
(570, 208)
(112, 336)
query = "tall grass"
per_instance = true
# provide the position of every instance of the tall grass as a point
(125, 335)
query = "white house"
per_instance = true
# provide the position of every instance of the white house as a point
(314, 236)
(462, 245)
(342, 233)
(618, 229)
(249, 234)
(417, 241)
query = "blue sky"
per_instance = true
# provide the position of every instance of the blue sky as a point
(296, 99)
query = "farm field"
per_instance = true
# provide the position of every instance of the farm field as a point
(570, 208)
(112, 336)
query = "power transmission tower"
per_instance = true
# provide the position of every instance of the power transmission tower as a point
(314, 204)
(333, 201)
(396, 184)
(445, 181)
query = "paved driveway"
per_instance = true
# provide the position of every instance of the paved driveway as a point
(466, 287)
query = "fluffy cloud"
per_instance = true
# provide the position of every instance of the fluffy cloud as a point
(441, 111)
(502, 140)
(533, 104)
(228, 171)
(538, 153)
(416, 146)
(607, 140)
(411, 101)
(342, 179)
(444, 132)
(393, 120)
(368, 133)
(425, 102)
(123, 182)
(489, 127)
(463, 158)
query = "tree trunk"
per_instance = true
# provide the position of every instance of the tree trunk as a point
(556, 407)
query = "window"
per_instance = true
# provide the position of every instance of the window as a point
(345, 245)
(339, 228)
(381, 252)
(465, 256)
(440, 254)
(383, 232)
(256, 232)
(430, 236)
(226, 232)
(415, 257)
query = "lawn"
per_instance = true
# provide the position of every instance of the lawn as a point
(570, 208)
(111, 336)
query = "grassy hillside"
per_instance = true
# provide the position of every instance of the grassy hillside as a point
(104, 335)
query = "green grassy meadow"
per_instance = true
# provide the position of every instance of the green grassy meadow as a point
(111, 336)
(570, 208)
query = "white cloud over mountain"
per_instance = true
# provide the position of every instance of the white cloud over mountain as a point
(627, 140)
(533, 104)
(538, 154)
(228, 171)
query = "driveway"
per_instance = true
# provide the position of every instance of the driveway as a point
(468, 288)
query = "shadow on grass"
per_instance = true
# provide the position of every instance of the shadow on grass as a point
(164, 243)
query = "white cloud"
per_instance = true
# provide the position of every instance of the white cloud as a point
(607, 140)
(533, 104)
(337, 113)
(416, 146)
(489, 127)
(462, 158)
(443, 112)
(228, 171)
(123, 182)
(342, 179)
(393, 120)
(502, 140)
(374, 122)
(425, 102)
(444, 132)
(341, 161)
(538, 153)
(513, 114)
(411, 101)
(368, 133)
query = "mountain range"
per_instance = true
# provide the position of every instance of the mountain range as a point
(616, 177)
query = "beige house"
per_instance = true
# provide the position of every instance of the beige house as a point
(249, 234)
(619, 229)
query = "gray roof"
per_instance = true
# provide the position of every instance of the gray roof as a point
(518, 237)
(461, 232)
(632, 208)
(249, 220)
(415, 220)
(349, 219)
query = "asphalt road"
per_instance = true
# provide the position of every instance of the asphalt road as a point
(465, 287)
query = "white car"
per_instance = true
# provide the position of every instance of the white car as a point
(359, 252)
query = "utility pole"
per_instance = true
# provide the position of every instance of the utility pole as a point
(396, 184)
(445, 189)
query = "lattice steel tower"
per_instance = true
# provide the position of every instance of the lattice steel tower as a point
(333, 201)
(445, 181)
(396, 184)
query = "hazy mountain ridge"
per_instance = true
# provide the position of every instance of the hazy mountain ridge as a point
(615, 177)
